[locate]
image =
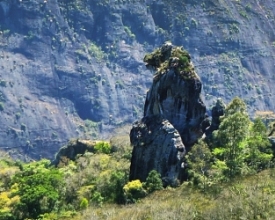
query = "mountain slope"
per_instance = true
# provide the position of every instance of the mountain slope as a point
(74, 68)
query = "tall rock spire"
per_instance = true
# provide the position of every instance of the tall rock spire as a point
(173, 113)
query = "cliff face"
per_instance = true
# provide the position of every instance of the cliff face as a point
(62, 77)
(72, 68)
(173, 114)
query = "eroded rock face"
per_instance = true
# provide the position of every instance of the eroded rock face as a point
(173, 114)
(177, 100)
(158, 146)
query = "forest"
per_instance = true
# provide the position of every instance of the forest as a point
(229, 175)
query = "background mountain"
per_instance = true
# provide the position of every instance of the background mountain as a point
(73, 68)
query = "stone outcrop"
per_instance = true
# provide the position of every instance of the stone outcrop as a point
(178, 100)
(173, 113)
(72, 149)
(157, 145)
(217, 111)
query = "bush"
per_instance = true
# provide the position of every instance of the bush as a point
(39, 189)
(153, 182)
(103, 147)
(84, 203)
(97, 198)
(133, 191)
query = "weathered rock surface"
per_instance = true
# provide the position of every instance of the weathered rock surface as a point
(158, 146)
(173, 114)
(177, 100)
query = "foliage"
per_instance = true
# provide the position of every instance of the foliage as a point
(133, 191)
(97, 199)
(94, 181)
(231, 136)
(176, 57)
(103, 147)
(39, 189)
(259, 153)
(238, 147)
(96, 51)
(153, 182)
(248, 197)
(84, 203)
(129, 32)
(199, 161)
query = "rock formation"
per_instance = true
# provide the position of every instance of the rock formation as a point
(217, 111)
(72, 149)
(157, 145)
(173, 113)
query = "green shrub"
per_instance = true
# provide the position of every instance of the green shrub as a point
(153, 182)
(129, 32)
(39, 189)
(103, 147)
(84, 203)
(97, 198)
(96, 51)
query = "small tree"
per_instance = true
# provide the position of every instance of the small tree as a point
(231, 136)
(103, 147)
(153, 182)
(83, 203)
(199, 160)
(259, 153)
(39, 189)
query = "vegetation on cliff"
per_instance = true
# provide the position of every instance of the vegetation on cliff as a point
(170, 57)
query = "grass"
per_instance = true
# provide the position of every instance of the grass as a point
(251, 197)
